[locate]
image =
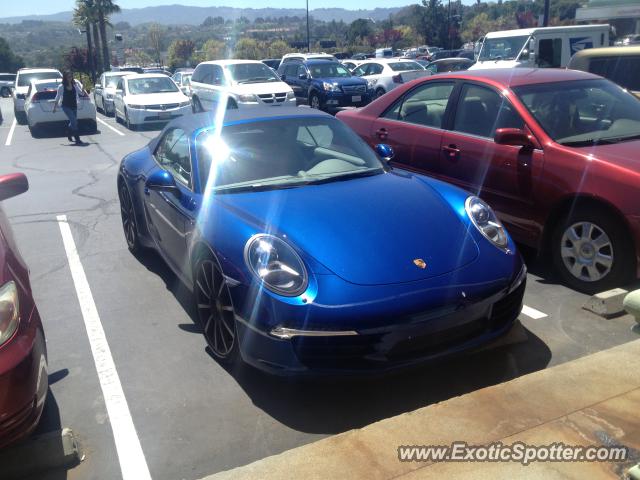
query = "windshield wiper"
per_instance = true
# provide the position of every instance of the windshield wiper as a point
(255, 79)
(588, 142)
(345, 176)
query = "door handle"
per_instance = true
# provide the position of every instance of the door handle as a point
(382, 133)
(451, 151)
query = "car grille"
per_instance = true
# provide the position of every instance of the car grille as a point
(273, 97)
(355, 89)
(163, 106)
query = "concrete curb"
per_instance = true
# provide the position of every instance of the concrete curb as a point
(631, 304)
(606, 304)
(38, 454)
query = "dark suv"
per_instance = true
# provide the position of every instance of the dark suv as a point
(324, 84)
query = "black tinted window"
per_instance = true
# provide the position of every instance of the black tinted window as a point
(625, 71)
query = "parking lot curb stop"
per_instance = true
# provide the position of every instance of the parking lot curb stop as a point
(631, 304)
(606, 304)
(41, 453)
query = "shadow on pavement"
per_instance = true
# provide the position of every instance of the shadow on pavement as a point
(333, 405)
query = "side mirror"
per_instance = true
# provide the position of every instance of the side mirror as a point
(532, 50)
(303, 76)
(12, 185)
(97, 86)
(162, 181)
(385, 151)
(514, 137)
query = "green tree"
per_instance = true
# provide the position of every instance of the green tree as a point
(9, 62)
(104, 10)
(247, 48)
(84, 17)
(277, 48)
(181, 53)
(358, 30)
(213, 50)
(155, 38)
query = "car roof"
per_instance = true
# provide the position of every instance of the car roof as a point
(388, 60)
(312, 61)
(621, 51)
(514, 77)
(133, 76)
(121, 73)
(229, 62)
(47, 80)
(38, 70)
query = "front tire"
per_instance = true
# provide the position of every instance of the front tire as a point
(314, 101)
(127, 121)
(215, 309)
(196, 106)
(380, 92)
(129, 225)
(592, 251)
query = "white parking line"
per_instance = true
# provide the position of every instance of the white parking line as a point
(109, 126)
(533, 313)
(132, 462)
(10, 136)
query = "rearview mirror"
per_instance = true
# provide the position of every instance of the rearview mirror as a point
(12, 185)
(385, 151)
(515, 137)
(162, 181)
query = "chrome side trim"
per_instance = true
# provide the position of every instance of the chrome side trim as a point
(287, 333)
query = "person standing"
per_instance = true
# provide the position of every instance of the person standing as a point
(68, 97)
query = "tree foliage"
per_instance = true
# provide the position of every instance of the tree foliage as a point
(181, 53)
(9, 62)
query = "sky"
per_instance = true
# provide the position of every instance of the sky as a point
(12, 8)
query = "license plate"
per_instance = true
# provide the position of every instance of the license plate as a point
(356, 98)
(164, 115)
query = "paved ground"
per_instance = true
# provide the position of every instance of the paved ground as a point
(193, 417)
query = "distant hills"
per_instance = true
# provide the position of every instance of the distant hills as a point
(188, 15)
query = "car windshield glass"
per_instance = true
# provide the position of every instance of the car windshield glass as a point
(405, 66)
(25, 79)
(325, 70)
(139, 86)
(112, 80)
(251, 73)
(282, 153)
(186, 79)
(506, 48)
(585, 112)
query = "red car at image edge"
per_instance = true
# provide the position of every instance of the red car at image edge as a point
(555, 152)
(23, 356)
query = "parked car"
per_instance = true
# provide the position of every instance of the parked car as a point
(350, 64)
(23, 351)
(383, 75)
(469, 54)
(156, 70)
(272, 62)
(183, 80)
(363, 56)
(7, 84)
(620, 65)
(440, 54)
(238, 84)
(449, 65)
(130, 69)
(23, 81)
(307, 56)
(288, 214)
(632, 39)
(325, 84)
(148, 98)
(554, 152)
(39, 108)
(105, 91)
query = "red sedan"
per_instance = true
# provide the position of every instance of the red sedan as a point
(23, 356)
(555, 152)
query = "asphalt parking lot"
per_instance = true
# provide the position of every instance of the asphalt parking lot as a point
(193, 417)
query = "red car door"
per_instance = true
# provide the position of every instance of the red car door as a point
(413, 126)
(503, 175)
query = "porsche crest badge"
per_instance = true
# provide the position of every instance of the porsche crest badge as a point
(420, 263)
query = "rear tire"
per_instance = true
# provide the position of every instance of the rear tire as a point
(129, 224)
(380, 92)
(592, 251)
(196, 106)
(127, 122)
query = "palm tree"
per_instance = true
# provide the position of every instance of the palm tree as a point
(83, 17)
(104, 9)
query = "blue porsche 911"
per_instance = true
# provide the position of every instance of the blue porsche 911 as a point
(307, 252)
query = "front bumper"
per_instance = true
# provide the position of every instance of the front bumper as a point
(333, 100)
(291, 102)
(381, 336)
(142, 116)
(23, 380)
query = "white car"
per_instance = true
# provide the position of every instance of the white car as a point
(23, 81)
(149, 98)
(239, 83)
(105, 91)
(385, 74)
(39, 105)
(183, 80)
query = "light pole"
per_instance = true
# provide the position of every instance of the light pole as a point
(308, 39)
(545, 19)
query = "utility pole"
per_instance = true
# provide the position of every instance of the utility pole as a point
(449, 25)
(308, 38)
(545, 19)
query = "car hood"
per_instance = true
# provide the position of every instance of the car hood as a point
(260, 88)
(367, 230)
(343, 81)
(624, 154)
(156, 98)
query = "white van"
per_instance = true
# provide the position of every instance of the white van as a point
(384, 52)
(538, 47)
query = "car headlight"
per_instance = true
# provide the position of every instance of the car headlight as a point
(291, 95)
(9, 311)
(372, 82)
(276, 265)
(330, 87)
(485, 220)
(248, 98)
(136, 107)
(185, 104)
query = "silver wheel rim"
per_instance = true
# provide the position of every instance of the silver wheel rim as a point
(586, 251)
(315, 102)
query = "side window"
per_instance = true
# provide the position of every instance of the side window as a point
(426, 105)
(120, 85)
(621, 70)
(217, 75)
(375, 69)
(301, 70)
(550, 52)
(197, 74)
(173, 155)
(290, 70)
(360, 71)
(481, 111)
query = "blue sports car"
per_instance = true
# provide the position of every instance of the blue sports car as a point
(307, 252)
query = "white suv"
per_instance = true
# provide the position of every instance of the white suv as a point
(240, 83)
(385, 74)
(23, 81)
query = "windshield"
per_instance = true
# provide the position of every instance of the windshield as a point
(404, 66)
(324, 70)
(283, 153)
(506, 48)
(25, 79)
(251, 73)
(112, 80)
(581, 113)
(138, 86)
